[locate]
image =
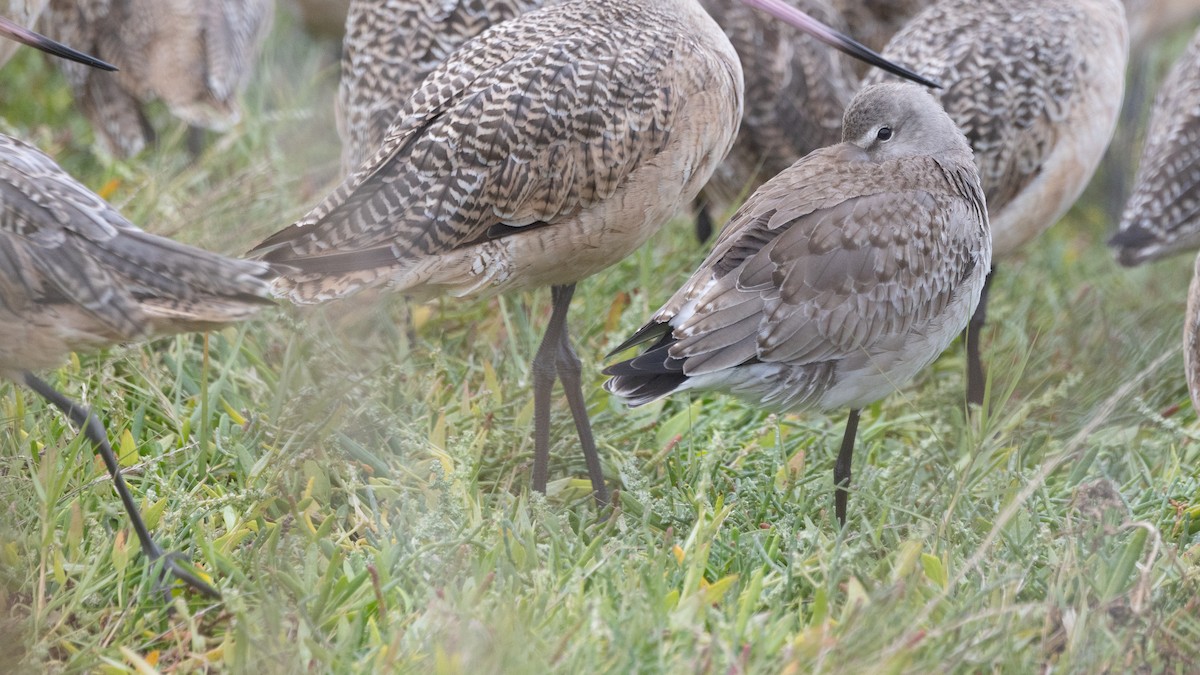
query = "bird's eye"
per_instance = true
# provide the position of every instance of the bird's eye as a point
(884, 133)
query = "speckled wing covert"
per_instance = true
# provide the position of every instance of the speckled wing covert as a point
(1005, 86)
(389, 48)
(836, 257)
(1162, 215)
(796, 92)
(63, 248)
(530, 123)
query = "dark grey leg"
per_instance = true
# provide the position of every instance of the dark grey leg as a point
(569, 371)
(93, 430)
(545, 371)
(975, 375)
(841, 469)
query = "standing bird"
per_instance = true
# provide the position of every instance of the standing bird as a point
(390, 47)
(1038, 103)
(543, 151)
(75, 275)
(837, 281)
(1162, 215)
(194, 55)
(796, 94)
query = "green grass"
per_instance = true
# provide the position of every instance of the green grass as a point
(358, 484)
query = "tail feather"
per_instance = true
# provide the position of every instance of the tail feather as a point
(650, 375)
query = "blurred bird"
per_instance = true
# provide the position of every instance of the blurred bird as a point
(543, 151)
(323, 18)
(796, 93)
(874, 22)
(75, 275)
(1162, 215)
(837, 281)
(1191, 337)
(194, 55)
(1036, 86)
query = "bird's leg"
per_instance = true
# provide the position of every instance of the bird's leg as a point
(545, 371)
(975, 375)
(841, 469)
(93, 430)
(569, 371)
(704, 221)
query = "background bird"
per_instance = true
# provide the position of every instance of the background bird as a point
(1038, 104)
(837, 281)
(389, 48)
(194, 55)
(1162, 215)
(796, 93)
(77, 276)
(545, 150)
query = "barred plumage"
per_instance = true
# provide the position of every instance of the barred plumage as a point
(76, 275)
(389, 48)
(544, 150)
(1162, 215)
(1036, 86)
(195, 55)
(839, 279)
(796, 94)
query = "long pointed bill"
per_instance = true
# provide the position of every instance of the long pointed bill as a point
(25, 36)
(788, 14)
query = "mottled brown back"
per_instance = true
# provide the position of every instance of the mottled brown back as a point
(389, 48)
(529, 124)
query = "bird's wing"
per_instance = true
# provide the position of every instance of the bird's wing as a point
(519, 129)
(60, 243)
(823, 262)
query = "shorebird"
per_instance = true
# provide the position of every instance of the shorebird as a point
(796, 93)
(194, 55)
(1038, 104)
(76, 275)
(1162, 215)
(390, 47)
(543, 151)
(837, 281)
(797, 90)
